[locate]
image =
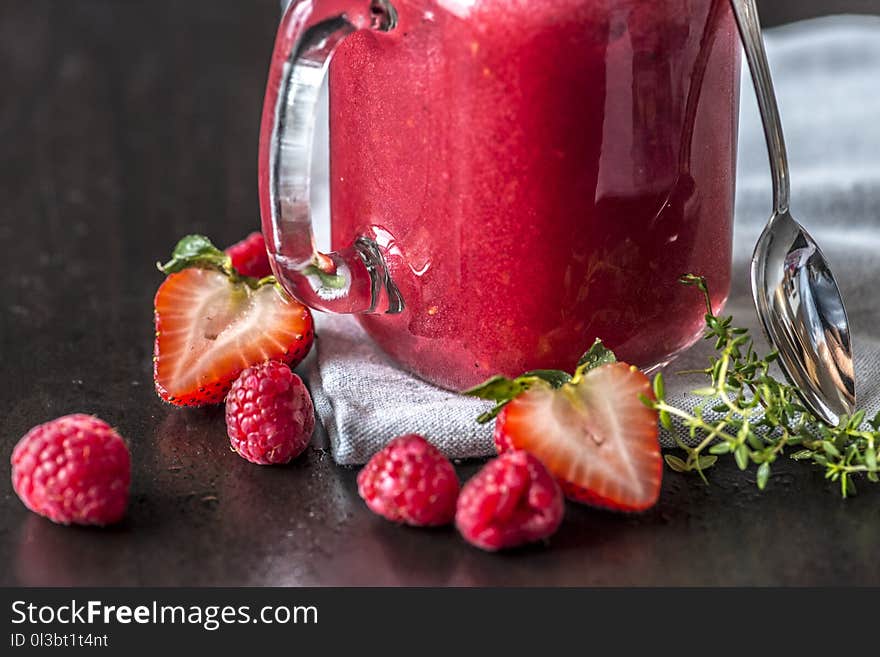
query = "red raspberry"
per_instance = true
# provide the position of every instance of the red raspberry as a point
(411, 482)
(75, 469)
(513, 500)
(249, 256)
(269, 414)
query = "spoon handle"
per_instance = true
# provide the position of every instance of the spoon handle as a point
(750, 30)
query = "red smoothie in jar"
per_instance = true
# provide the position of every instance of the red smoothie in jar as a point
(539, 173)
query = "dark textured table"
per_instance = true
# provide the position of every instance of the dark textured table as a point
(125, 125)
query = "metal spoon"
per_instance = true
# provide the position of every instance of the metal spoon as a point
(795, 293)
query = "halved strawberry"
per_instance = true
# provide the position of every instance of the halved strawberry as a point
(212, 323)
(593, 433)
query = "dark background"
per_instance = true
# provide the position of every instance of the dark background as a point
(127, 124)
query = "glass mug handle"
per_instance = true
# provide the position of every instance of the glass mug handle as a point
(354, 279)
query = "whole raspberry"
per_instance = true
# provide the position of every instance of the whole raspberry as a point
(513, 500)
(269, 414)
(249, 256)
(75, 469)
(411, 482)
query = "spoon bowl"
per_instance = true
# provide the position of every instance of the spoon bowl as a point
(804, 317)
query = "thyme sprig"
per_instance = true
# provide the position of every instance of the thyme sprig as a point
(748, 413)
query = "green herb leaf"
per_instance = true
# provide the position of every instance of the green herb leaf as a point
(659, 386)
(847, 487)
(870, 458)
(706, 462)
(704, 392)
(830, 450)
(763, 475)
(675, 463)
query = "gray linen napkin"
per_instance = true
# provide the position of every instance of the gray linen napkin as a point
(826, 74)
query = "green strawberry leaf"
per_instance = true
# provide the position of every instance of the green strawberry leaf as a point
(490, 415)
(596, 356)
(498, 388)
(197, 251)
(502, 390)
(556, 378)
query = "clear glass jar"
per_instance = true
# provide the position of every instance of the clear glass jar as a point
(510, 179)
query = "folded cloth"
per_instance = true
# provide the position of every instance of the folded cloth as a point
(826, 73)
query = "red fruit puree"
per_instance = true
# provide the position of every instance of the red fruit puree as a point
(540, 173)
